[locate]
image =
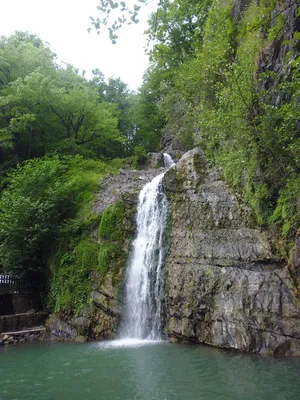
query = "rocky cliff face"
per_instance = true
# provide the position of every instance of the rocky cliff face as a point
(224, 284)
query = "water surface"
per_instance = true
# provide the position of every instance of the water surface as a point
(139, 371)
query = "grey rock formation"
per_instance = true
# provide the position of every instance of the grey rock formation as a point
(155, 160)
(238, 8)
(224, 284)
(172, 144)
(273, 57)
(124, 185)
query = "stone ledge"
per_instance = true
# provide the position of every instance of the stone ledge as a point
(17, 322)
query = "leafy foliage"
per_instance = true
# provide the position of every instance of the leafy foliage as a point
(129, 15)
(39, 198)
(214, 88)
(47, 108)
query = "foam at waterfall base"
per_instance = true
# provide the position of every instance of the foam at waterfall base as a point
(127, 342)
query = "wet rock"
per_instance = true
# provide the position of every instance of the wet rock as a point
(60, 329)
(33, 337)
(171, 143)
(239, 6)
(82, 322)
(80, 339)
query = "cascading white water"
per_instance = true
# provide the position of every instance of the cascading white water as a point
(168, 160)
(144, 284)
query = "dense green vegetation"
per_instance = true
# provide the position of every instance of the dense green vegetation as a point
(49, 109)
(46, 222)
(215, 86)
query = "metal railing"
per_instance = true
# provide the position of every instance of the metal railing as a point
(14, 284)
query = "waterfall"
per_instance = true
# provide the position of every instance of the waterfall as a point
(168, 160)
(144, 283)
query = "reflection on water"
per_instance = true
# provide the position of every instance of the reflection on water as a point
(142, 370)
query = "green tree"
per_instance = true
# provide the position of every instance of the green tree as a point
(49, 109)
(21, 54)
(46, 203)
(32, 206)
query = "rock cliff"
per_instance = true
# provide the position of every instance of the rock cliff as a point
(224, 284)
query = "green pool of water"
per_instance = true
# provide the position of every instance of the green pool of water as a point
(157, 371)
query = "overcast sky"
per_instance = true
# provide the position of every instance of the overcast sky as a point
(64, 24)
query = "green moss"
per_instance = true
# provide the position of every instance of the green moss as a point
(111, 222)
(107, 253)
(277, 29)
(87, 254)
(114, 233)
(287, 212)
(111, 234)
(70, 284)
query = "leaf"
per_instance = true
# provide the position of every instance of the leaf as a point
(297, 35)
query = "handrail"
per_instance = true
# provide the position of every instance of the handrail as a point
(15, 284)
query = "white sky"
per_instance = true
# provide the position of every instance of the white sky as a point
(64, 24)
